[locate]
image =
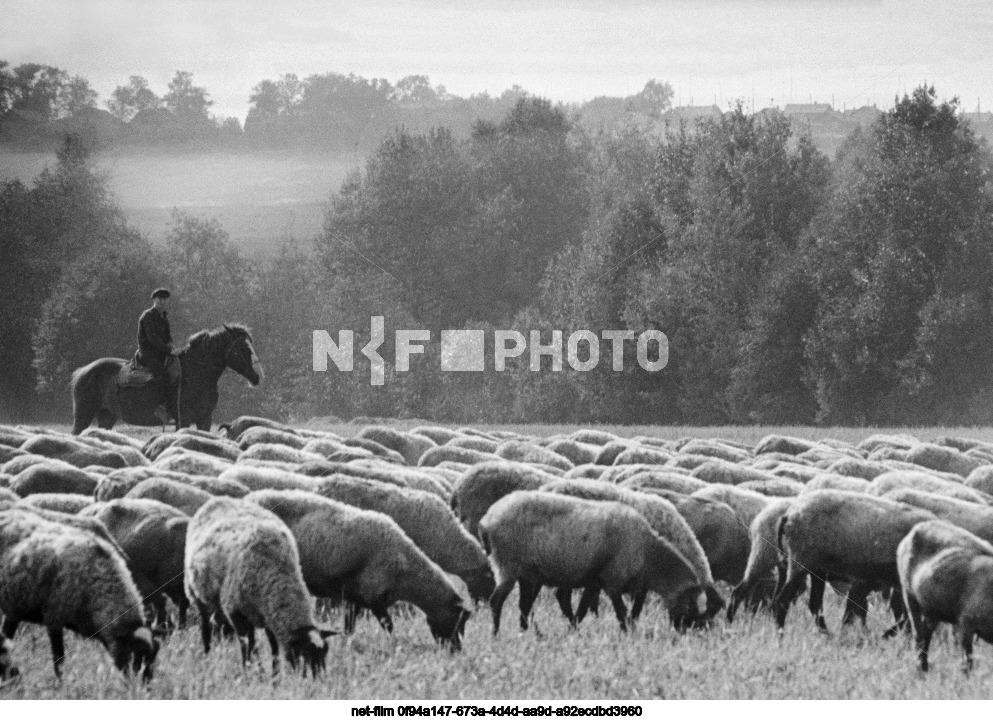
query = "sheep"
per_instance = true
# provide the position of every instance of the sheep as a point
(378, 450)
(609, 452)
(903, 441)
(975, 518)
(261, 434)
(426, 519)
(350, 454)
(439, 435)
(408, 445)
(858, 468)
(62, 502)
(191, 462)
(716, 449)
(946, 575)
(8, 454)
(398, 475)
(586, 470)
(526, 452)
(776, 443)
(277, 452)
(885, 454)
(665, 480)
(72, 451)
(53, 476)
(242, 562)
(779, 487)
(746, 504)
(120, 482)
(642, 455)
(255, 479)
(795, 471)
(181, 496)
(688, 461)
(484, 484)
(108, 436)
(323, 446)
(981, 479)
(18, 463)
(942, 458)
(434, 456)
(543, 538)
(10, 436)
(923, 482)
(242, 423)
(578, 453)
(664, 519)
(841, 534)
(8, 497)
(63, 577)
(828, 481)
(733, 474)
(764, 556)
(218, 447)
(366, 557)
(153, 537)
(722, 535)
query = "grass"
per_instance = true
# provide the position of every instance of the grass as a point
(749, 659)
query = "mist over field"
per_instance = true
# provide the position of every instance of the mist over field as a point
(259, 199)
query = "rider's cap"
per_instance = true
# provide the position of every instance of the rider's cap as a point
(160, 293)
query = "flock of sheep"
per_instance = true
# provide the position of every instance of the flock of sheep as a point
(100, 533)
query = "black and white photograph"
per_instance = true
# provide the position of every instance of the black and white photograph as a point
(474, 358)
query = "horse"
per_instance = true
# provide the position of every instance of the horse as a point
(98, 395)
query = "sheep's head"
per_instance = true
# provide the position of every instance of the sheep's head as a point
(135, 651)
(695, 606)
(481, 583)
(448, 624)
(307, 648)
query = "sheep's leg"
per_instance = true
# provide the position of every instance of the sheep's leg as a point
(527, 595)
(589, 601)
(620, 609)
(899, 610)
(639, 603)
(57, 640)
(497, 599)
(816, 602)
(383, 616)
(351, 613)
(856, 603)
(246, 636)
(796, 582)
(274, 647)
(183, 604)
(740, 593)
(564, 596)
(923, 630)
(205, 629)
(968, 631)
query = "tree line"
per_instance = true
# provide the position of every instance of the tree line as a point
(330, 112)
(793, 288)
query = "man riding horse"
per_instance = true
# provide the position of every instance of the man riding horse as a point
(155, 349)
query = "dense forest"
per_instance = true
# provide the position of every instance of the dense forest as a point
(793, 287)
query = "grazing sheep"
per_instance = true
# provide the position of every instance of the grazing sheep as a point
(323, 446)
(716, 449)
(973, 517)
(398, 476)
(903, 441)
(347, 455)
(217, 447)
(486, 483)
(439, 435)
(746, 504)
(664, 480)
(841, 535)
(367, 558)
(53, 476)
(791, 445)
(946, 575)
(108, 436)
(981, 480)
(261, 434)
(153, 537)
(620, 473)
(732, 474)
(475, 443)
(688, 461)
(63, 577)
(8, 496)
(435, 456)
(18, 463)
(642, 455)
(578, 453)
(257, 479)
(593, 437)
(408, 445)
(942, 458)
(587, 470)
(243, 423)
(858, 468)
(192, 463)
(779, 487)
(72, 451)
(426, 519)
(830, 481)
(609, 452)
(544, 539)
(70, 503)
(795, 471)
(8, 453)
(921, 481)
(885, 454)
(722, 535)
(242, 563)
(378, 450)
(764, 559)
(277, 452)
(181, 496)
(527, 452)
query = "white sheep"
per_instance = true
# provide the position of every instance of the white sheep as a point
(242, 562)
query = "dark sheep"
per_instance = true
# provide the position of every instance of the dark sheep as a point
(53, 477)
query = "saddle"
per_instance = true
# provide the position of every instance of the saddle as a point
(134, 375)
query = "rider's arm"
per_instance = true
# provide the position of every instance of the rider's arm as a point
(154, 336)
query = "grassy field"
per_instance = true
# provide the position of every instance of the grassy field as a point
(749, 659)
(259, 199)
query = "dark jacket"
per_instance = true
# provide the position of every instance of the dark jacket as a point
(154, 339)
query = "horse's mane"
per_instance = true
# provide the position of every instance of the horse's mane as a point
(203, 339)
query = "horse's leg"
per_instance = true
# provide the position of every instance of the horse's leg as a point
(106, 418)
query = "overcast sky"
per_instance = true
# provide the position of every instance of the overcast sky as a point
(775, 51)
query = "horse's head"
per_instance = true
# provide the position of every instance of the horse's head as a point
(240, 355)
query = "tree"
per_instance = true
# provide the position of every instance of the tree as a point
(904, 252)
(654, 99)
(186, 100)
(128, 100)
(414, 89)
(36, 89)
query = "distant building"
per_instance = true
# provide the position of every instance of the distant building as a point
(808, 111)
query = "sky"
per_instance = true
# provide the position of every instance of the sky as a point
(765, 52)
